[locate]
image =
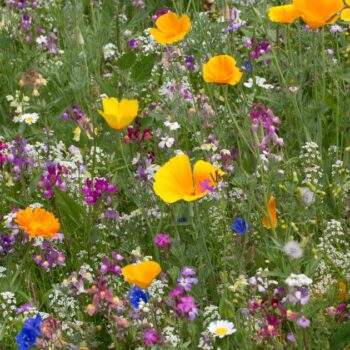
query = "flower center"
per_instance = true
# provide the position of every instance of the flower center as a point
(221, 331)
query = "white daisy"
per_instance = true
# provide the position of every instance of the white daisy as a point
(30, 118)
(221, 328)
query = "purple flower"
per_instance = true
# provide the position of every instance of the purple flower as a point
(303, 322)
(189, 60)
(186, 282)
(187, 307)
(53, 177)
(264, 117)
(132, 43)
(101, 187)
(150, 337)
(163, 241)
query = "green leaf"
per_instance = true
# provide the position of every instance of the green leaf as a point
(126, 61)
(69, 207)
(341, 338)
(142, 71)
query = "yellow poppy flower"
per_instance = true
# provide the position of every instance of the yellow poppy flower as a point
(119, 115)
(175, 180)
(38, 223)
(222, 70)
(170, 28)
(270, 215)
(142, 274)
(345, 14)
(283, 14)
(317, 13)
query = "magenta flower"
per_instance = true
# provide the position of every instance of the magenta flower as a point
(163, 241)
(150, 337)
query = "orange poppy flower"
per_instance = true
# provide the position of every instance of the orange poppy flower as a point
(175, 180)
(283, 14)
(342, 291)
(38, 223)
(317, 13)
(222, 70)
(142, 274)
(270, 215)
(170, 28)
(119, 115)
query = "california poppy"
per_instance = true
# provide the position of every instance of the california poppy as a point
(345, 14)
(222, 70)
(142, 274)
(175, 179)
(283, 14)
(170, 28)
(119, 115)
(270, 215)
(38, 223)
(342, 291)
(317, 13)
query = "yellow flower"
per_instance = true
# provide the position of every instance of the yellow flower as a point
(270, 215)
(175, 180)
(77, 133)
(222, 70)
(170, 28)
(345, 14)
(283, 14)
(317, 13)
(38, 223)
(142, 274)
(119, 115)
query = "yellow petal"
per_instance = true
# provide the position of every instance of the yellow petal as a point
(283, 14)
(347, 2)
(203, 171)
(127, 112)
(110, 105)
(174, 180)
(345, 14)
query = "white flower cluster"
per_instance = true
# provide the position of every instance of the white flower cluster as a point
(2, 271)
(7, 306)
(64, 306)
(310, 160)
(157, 289)
(300, 280)
(334, 251)
(210, 313)
(109, 51)
(171, 337)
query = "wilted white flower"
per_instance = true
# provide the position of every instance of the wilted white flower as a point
(307, 196)
(293, 250)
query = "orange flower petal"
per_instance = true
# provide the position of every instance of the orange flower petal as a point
(270, 215)
(283, 14)
(38, 223)
(317, 13)
(204, 171)
(142, 274)
(170, 28)
(221, 69)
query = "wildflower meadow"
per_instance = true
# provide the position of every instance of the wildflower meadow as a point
(174, 174)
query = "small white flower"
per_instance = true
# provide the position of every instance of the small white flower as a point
(40, 40)
(249, 83)
(172, 126)
(166, 141)
(30, 118)
(221, 328)
(293, 250)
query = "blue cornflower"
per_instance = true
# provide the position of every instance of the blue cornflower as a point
(136, 294)
(240, 226)
(26, 339)
(181, 219)
(247, 67)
